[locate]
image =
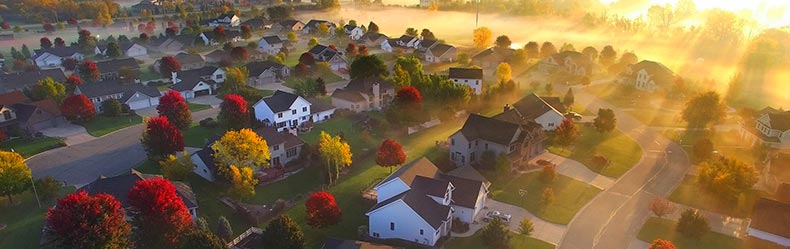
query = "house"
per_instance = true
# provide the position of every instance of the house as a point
(366, 94)
(270, 44)
(648, 76)
(54, 56)
(128, 49)
(198, 82)
(227, 20)
(321, 110)
(189, 61)
(258, 23)
(570, 62)
(208, 38)
(19, 81)
(353, 32)
(440, 53)
(770, 219)
(171, 44)
(472, 77)
(425, 44)
(146, 5)
(373, 39)
(311, 27)
(770, 127)
(520, 141)
(335, 243)
(491, 57)
(286, 26)
(17, 111)
(119, 187)
(417, 203)
(283, 110)
(110, 69)
(405, 43)
(266, 72)
(326, 54)
(546, 111)
(136, 96)
(217, 56)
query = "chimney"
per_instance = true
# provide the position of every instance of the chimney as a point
(506, 108)
(174, 77)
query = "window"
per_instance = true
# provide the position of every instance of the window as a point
(376, 235)
(452, 141)
(470, 145)
(551, 124)
(280, 125)
(290, 152)
(304, 109)
(452, 156)
(304, 118)
(392, 226)
(276, 147)
(422, 232)
(476, 142)
(466, 81)
(280, 115)
(486, 146)
(7, 115)
(293, 112)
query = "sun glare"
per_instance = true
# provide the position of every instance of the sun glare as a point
(768, 13)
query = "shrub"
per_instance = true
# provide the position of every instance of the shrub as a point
(600, 161)
(111, 107)
(48, 187)
(459, 226)
(548, 174)
(526, 227)
(209, 123)
(692, 224)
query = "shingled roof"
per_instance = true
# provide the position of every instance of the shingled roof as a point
(187, 58)
(258, 67)
(466, 73)
(658, 72)
(532, 106)
(59, 51)
(22, 80)
(440, 49)
(771, 216)
(280, 101)
(780, 120)
(119, 187)
(117, 64)
(273, 137)
(92, 90)
(272, 39)
(491, 129)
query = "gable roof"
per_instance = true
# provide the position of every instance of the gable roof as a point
(258, 67)
(532, 106)
(440, 49)
(117, 64)
(365, 85)
(256, 22)
(92, 90)
(491, 129)
(223, 16)
(21, 80)
(373, 36)
(466, 73)
(319, 105)
(288, 23)
(119, 187)
(272, 39)
(273, 137)
(187, 58)
(428, 43)
(466, 190)
(351, 96)
(349, 27)
(408, 172)
(780, 120)
(59, 51)
(658, 72)
(280, 101)
(771, 216)
(218, 54)
(14, 97)
(406, 38)
(123, 45)
(188, 80)
(313, 23)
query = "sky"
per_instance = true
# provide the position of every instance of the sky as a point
(768, 13)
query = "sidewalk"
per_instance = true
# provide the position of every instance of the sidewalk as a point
(576, 170)
(544, 230)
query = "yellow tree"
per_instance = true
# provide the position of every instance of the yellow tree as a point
(177, 167)
(14, 174)
(323, 29)
(482, 37)
(243, 182)
(503, 72)
(292, 37)
(335, 153)
(235, 80)
(243, 148)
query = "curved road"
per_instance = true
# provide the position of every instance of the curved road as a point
(109, 155)
(613, 218)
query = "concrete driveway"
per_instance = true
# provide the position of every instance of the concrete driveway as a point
(147, 112)
(576, 170)
(213, 101)
(544, 230)
(72, 134)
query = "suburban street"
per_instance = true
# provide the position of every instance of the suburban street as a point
(110, 155)
(613, 218)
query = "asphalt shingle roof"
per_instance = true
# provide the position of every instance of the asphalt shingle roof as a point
(771, 216)
(780, 120)
(466, 73)
(491, 129)
(532, 106)
(280, 101)
(92, 90)
(258, 67)
(119, 187)
(21, 80)
(117, 64)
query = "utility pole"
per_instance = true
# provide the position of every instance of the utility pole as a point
(35, 191)
(477, 14)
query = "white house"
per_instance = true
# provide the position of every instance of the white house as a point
(270, 44)
(227, 20)
(53, 57)
(546, 111)
(197, 82)
(472, 77)
(321, 110)
(770, 220)
(366, 94)
(417, 203)
(129, 49)
(353, 32)
(648, 76)
(283, 110)
(441, 53)
(771, 127)
(286, 26)
(136, 96)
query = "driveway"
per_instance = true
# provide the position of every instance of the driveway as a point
(72, 134)
(576, 170)
(211, 100)
(544, 230)
(147, 112)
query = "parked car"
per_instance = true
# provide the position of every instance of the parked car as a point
(574, 116)
(490, 215)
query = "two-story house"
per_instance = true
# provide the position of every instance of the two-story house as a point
(405, 43)
(770, 127)
(266, 72)
(136, 96)
(188, 61)
(286, 26)
(270, 44)
(440, 53)
(364, 94)
(54, 56)
(326, 54)
(20, 81)
(648, 76)
(373, 39)
(227, 20)
(472, 77)
(520, 141)
(353, 32)
(546, 111)
(282, 110)
(417, 203)
(570, 62)
(197, 82)
(110, 69)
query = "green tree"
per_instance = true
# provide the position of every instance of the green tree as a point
(283, 232)
(726, 177)
(201, 239)
(224, 230)
(235, 80)
(323, 29)
(113, 50)
(692, 224)
(411, 32)
(14, 174)
(48, 187)
(400, 77)
(605, 121)
(292, 37)
(111, 107)
(547, 198)
(177, 168)
(335, 153)
(704, 109)
(702, 149)
(525, 227)
(569, 98)
(26, 51)
(49, 89)
(368, 66)
(496, 235)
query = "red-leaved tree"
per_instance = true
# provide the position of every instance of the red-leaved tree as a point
(306, 59)
(83, 221)
(408, 97)
(363, 50)
(173, 106)
(390, 154)
(219, 34)
(159, 216)
(89, 71)
(168, 65)
(48, 27)
(77, 108)
(233, 112)
(161, 138)
(73, 81)
(662, 244)
(246, 31)
(239, 54)
(45, 42)
(322, 210)
(5, 25)
(351, 50)
(59, 42)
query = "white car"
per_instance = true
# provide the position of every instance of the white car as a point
(490, 216)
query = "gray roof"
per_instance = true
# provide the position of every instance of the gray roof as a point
(187, 58)
(272, 39)
(273, 137)
(466, 73)
(780, 120)
(123, 45)
(258, 67)
(59, 51)
(319, 105)
(280, 101)
(256, 22)
(490, 129)
(658, 72)
(351, 96)
(440, 49)
(365, 85)
(771, 216)
(532, 106)
(466, 190)
(190, 79)
(428, 43)
(373, 36)
(21, 80)
(119, 187)
(117, 64)
(92, 90)
(288, 23)
(314, 23)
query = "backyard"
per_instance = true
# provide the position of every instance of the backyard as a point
(103, 125)
(691, 193)
(197, 136)
(28, 147)
(517, 241)
(656, 228)
(621, 151)
(24, 220)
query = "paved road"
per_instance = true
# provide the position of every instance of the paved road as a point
(109, 155)
(613, 218)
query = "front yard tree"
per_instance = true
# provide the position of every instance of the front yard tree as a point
(283, 232)
(45, 42)
(727, 177)
(173, 106)
(532, 50)
(89, 71)
(201, 239)
(111, 107)
(113, 50)
(662, 244)
(86, 41)
(49, 89)
(243, 182)
(605, 121)
(481, 37)
(569, 98)
(48, 187)
(233, 112)
(703, 149)
(292, 37)
(547, 197)
(335, 154)
(390, 154)
(161, 138)
(503, 42)
(239, 54)
(224, 230)
(368, 66)
(77, 108)
(503, 72)
(525, 227)
(322, 210)
(591, 53)
(235, 81)
(59, 42)
(496, 235)
(693, 224)
(406, 107)
(73, 81)
(243, 148)
(704, 109)
(661, 206)
(177, 167)
(83, 221)
(159, 216)
(566, 133)
(426, 34)
(168, 65)
(246, 31)
(312, 42)
(14, 174)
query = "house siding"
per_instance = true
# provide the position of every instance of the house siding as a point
(407, 225)
(475, 84)
(390, 189)
(201, 169)
(263, 112)
(550, 120)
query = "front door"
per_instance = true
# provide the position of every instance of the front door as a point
(276, 161)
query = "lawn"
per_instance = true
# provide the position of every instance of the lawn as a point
(658, 118)
(612, 93)
(24, 219)
(103, 125)
(690, 137)
(622, 151)
(28, 147)
(690, 193)
(327, 76)
(197, 136)
(193, 107)
(517, 241)
(569, 195)
(656, 228)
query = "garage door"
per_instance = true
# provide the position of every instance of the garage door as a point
(140, 104)
(202, 93)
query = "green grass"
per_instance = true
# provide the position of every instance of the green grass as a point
(24, 219)
(193, 107)
(569, 195)
(690, 193)
(197, 136)
(28, 147)
(622, 151)
(612, 93)
(690, 137)
(517, 241)
(327, 76)
(658, 118)
(103, 125)
(656, 228)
